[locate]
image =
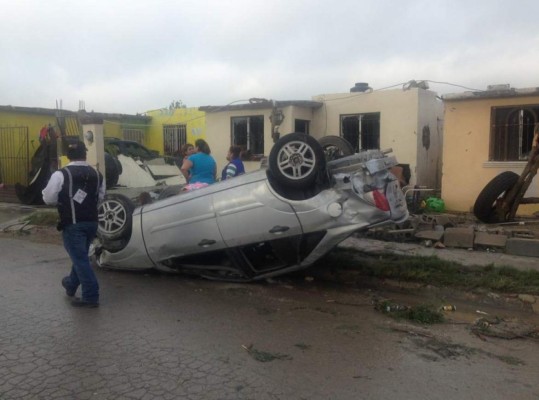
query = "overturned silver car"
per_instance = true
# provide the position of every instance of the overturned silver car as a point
(280, 218)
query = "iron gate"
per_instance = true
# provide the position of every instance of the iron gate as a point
(14, 155)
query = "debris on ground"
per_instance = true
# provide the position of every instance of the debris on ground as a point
(504, 329)
(422, 313)
(264, 356)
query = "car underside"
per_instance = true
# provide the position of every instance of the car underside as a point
(258, 225)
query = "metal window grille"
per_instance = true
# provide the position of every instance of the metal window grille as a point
(136, 135)
(512, 132)
(174, 137)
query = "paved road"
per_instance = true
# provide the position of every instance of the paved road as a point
(171, 337)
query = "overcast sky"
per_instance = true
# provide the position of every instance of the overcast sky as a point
(139, 55)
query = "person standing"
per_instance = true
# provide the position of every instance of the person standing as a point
(76, 190)
(235, 166)
(200, 168)
(185, 151)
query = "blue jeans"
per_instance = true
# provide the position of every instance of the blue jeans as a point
(77, 240)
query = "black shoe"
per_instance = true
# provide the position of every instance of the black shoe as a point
(76, 302)
(65, 283)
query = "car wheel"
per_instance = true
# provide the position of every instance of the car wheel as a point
(113, 169)
(115, 217)
(335, 147)
(296, 160)
(485, 205)
(170, 191)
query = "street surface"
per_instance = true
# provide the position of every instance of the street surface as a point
(174, 337)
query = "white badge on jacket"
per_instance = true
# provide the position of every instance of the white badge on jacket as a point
(80, 196)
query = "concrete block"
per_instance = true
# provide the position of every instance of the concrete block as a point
(522, 247)
(459, 237)
(429, 235)
(484, 239)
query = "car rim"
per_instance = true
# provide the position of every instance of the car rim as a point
(296, 160)
(112, 216)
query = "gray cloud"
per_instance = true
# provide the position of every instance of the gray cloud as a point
(133, 56)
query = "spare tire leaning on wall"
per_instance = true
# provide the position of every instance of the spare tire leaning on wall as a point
(485, 205)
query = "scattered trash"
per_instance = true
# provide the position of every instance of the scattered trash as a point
(395, 307)
(504, 329)
(439, 245)
(448, 308)
(434, 204)
(481, 312)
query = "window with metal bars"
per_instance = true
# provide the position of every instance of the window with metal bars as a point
(512, 132)
(136, 135)
(362, 131)
(174, 137)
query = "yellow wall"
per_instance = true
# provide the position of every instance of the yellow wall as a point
(34, 122)
(466, 169)
(194, 120)
(16, 152)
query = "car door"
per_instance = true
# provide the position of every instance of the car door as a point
(180, 226)
(251, 213)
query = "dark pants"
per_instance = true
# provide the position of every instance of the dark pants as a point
(77, 240)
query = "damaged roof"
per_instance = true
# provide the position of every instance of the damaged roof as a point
(493, 92)
(84, 116)
(258, 104)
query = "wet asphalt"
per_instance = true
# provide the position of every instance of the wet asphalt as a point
(158, 336)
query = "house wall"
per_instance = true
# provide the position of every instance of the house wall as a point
(194, 120)
(430, 140)
(219, 131)
(466, 166)
(403, 114)
(34, 122)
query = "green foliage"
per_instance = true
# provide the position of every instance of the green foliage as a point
(434, 271)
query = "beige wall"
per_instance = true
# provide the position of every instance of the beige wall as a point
(218, 136)
(402, 117)
(403, 114)
(466, 169)
(429, 145)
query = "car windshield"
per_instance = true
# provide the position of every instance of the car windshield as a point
(136, 150)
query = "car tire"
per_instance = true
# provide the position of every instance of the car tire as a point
(484, 208)
(335, 147)
(170, 191)
(296, 160)
(113, 170)
(115, 218)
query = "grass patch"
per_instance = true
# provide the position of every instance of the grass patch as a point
(421, 314)
(42, 218)
(432, 270)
